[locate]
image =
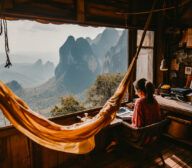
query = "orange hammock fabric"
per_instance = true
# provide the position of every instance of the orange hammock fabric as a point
(77, 138)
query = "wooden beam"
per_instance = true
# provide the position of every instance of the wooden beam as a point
(81, 11)
(104, 11)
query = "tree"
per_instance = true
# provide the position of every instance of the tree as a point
(103, 88)
(68, 105)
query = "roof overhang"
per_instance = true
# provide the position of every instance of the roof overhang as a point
(112, 13)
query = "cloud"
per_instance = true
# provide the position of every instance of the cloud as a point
(44, 27)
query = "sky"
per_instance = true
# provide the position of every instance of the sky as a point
(30, 40)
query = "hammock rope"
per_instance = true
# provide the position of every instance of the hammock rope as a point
(77, 138)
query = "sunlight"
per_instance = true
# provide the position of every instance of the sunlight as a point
(175, 161)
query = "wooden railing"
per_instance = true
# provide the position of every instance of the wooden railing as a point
(18, 151)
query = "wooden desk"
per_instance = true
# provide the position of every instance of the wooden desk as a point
(174, 106)
(180, 115)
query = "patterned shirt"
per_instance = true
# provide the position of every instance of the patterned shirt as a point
(144, 113)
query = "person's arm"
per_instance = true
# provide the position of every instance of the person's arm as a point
(137, 120)
(130, 105)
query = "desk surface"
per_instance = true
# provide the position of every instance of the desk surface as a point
(175, 106)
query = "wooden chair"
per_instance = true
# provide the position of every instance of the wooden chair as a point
(145, 138)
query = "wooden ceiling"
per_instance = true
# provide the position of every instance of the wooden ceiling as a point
(112, 13)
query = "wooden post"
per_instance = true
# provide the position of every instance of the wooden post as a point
(132, 47)
(159, 51)
(80, 11)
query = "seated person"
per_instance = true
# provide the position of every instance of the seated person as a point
(146, 108)
(146, 111)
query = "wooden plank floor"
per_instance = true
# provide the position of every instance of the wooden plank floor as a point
(175, 156)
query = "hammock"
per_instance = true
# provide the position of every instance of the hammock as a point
(77, 138)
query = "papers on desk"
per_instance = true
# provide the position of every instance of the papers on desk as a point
(125, 113)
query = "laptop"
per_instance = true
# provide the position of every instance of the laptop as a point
(124, 113)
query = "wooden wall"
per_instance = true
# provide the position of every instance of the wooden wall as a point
(18, 151)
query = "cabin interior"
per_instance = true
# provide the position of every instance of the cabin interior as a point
(172, 25)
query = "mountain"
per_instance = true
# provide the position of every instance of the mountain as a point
(78, 65)
(89, 40)
(103, 42)
(14, 86)
(28, 75)
(115, 59)
(43, 97)
(7, 75)
(76, 71)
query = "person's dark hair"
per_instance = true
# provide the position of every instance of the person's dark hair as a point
(147, 87)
